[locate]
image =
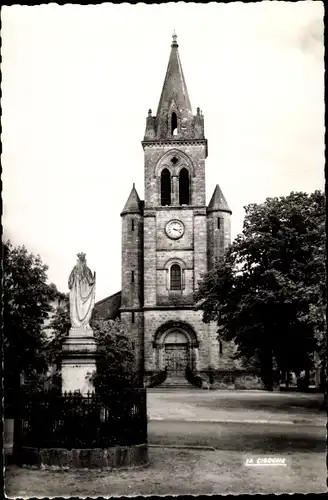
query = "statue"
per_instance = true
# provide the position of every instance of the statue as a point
(82, 290)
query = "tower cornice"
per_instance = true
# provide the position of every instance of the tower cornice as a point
(175, 142)
(196, 209)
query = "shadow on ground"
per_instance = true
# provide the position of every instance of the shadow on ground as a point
(275, 402)
(240, 437)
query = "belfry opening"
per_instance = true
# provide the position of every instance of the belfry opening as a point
(165, 187)
(174, 124)
(184, 187)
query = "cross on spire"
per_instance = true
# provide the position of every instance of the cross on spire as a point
(174, 39)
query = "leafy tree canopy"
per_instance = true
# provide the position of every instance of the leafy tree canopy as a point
(27, 302)
(268, 293)
(57, 330)
(116, 364)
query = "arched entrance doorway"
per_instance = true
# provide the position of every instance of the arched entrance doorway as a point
(176, 352)
(176, 348)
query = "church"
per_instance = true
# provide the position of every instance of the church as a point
(169, 240)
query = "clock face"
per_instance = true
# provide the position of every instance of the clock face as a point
(174, 229)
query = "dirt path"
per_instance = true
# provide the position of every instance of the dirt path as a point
(177, 472)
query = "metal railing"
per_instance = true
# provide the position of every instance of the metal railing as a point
(158, 378)
(48, 420)
(193, 378)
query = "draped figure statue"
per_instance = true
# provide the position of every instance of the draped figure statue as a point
(82, 290)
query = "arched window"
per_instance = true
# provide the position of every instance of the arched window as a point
(165, 187)
(175, 277)
(184, 187)
(174, 124)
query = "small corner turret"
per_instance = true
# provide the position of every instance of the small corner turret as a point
(133, 204)
(218, 202)
(218, 227)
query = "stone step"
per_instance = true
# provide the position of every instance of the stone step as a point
(171, 388)
(176, 387)
(176, 383)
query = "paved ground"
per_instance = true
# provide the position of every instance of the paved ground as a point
(240, 437)
(240, 406)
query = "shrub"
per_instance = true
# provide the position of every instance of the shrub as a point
(248, 382)
(222, 385)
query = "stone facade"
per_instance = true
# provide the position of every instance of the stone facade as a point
(161, 270)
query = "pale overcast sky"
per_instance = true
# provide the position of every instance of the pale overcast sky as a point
(77, 85)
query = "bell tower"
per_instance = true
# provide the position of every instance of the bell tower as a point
(172, 238)
(175, 150)
(175, 216)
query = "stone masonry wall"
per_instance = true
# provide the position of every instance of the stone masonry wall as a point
(135, 326)
(150, 260)
(222, 360)
(200, 246)
(196, 155)
(132, 260)
(209, 347)
(218, 239)
(181, 249)
(156, 318)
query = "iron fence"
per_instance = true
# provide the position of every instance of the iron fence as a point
(70, 420)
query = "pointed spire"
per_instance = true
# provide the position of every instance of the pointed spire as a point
(218, 202)
(133, 203)
(174, 84)
(174, 97)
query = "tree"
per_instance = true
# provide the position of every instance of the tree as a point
(268, 293)
(115, 364)
(27, 301)
(58, 328)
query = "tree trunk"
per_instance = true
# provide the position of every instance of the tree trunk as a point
(267, 369)
(17, 444)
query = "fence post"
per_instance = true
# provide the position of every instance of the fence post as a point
(18, 417)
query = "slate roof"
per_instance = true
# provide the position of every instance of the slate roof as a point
(133, 204)
(109, 307)
(218, 202)
(174, 84)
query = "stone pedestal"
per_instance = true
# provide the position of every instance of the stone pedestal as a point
(79, 354)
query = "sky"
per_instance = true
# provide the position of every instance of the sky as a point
(77, 85)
